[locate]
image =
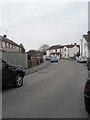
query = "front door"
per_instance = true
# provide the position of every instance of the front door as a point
(60, 56)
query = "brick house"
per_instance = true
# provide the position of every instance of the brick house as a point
(8, 45)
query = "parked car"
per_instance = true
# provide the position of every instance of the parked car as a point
(81, 60)
(11, 74)
(87, 95)
(88, 63)
(54, 59)
(87, 89)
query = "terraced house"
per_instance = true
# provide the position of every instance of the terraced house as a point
(7, 45)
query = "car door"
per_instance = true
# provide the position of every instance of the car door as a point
(6, 73)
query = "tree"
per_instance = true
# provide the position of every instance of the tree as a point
(43, 48)
(22, 48)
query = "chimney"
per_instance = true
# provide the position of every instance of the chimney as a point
(5, 36)
(75, 43)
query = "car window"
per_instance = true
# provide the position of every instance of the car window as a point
(3, 65)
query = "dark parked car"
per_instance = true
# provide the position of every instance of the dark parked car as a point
(87, 95)
(87, 89)
(11, 74)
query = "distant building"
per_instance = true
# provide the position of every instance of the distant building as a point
(70, 51)
(7, 45)
(66, 51)
(55, 50)
(84, 46)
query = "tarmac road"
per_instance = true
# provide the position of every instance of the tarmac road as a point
(54, 92)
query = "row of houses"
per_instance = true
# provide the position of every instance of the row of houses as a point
(65, 51)
(71, 51)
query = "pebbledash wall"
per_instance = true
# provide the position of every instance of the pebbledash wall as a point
(16, 58)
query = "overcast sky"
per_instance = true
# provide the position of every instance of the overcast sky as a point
(49, 22)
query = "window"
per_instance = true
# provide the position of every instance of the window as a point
(65, 49)
(85, 54)
(60, 50)
(65, 55)
(7, 44)
(10, 45)
(3, 44)
(55, 50)
(3, 65)
(13, 46)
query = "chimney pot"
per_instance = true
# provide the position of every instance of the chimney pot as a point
(5, 36)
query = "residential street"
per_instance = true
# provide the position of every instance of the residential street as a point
(54, 92)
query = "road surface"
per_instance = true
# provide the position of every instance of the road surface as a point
(55, 92)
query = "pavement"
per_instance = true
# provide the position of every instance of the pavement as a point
(34, 69)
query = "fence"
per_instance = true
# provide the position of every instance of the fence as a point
(16, 58)
(34, 61)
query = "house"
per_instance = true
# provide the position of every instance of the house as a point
(55, 50)
(7, 45)
(84, 46)
(11, 52)
(70, 51)
(66, 51)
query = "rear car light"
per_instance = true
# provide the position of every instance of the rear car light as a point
(87, 88)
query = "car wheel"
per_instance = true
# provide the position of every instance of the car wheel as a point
(18, 80)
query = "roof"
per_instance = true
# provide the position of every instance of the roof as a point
(8, 40)
(55, 47)
(71, 46)
(86, 38)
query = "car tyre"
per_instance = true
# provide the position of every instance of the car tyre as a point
(18, 80)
